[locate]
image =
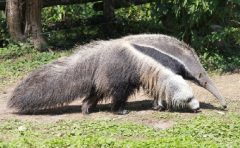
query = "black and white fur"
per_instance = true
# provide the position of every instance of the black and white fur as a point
(177, 56)
(105, 69)
(175, 93)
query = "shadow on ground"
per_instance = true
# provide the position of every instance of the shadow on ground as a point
(132, 106)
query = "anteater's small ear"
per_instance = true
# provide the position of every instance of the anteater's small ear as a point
(200, 75)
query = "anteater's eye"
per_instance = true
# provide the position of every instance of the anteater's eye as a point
(189, 99)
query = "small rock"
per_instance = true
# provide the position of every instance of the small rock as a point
(72, 134)
(22, 128)
(204, 136)
(60, 134)
(222, 113)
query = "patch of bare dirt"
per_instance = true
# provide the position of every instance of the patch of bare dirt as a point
(228, 85)
(140, 106)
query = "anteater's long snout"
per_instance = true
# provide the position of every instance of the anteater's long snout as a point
(213, 89)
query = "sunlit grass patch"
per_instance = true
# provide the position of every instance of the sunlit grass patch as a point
(200, 131)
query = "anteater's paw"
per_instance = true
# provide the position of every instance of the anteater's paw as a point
(85, 112)
(159, 108)
(121, 112)
(156, 107)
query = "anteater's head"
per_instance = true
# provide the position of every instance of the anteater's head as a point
(181, 95)
(181, 101)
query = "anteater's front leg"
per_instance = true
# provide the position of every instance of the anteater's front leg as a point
(118, 103)
(158, 104)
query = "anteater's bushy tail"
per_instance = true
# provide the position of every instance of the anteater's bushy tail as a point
(52, 85)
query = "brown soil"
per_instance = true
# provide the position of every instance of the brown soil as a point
(140, 106)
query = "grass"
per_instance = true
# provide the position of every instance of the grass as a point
(206, 129)
(200, 131)
(18, 59)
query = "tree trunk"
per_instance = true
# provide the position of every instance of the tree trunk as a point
(50, 3)
(108, 9)
(14, 19)
(33, 26)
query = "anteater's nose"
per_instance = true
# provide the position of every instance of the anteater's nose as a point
(224, 106)
(196, 110)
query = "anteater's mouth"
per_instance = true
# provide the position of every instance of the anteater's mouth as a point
(196, 110)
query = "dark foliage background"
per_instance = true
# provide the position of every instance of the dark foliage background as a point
(211, 27)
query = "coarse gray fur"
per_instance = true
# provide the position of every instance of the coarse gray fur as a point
(104, 69)
(177, 56)
(174, 91)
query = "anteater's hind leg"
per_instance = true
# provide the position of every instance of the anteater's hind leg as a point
(89, 103)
